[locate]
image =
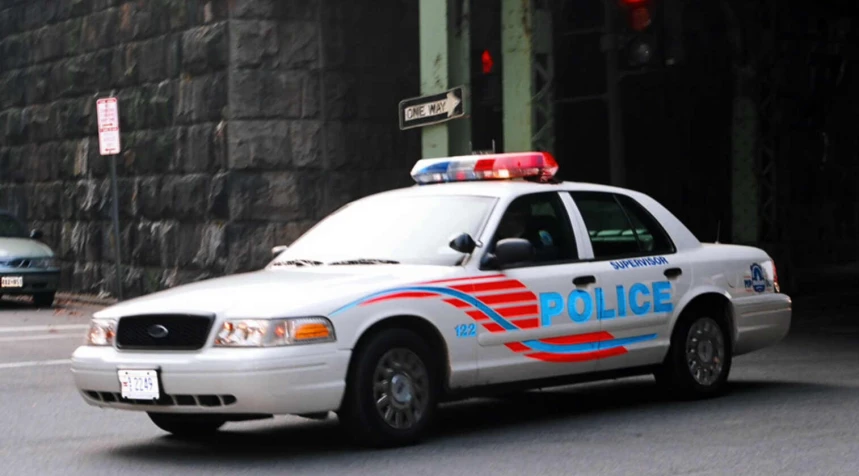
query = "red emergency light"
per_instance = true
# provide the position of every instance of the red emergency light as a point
(536, 166)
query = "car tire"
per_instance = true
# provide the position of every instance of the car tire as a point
(391, 391)
(44, 299)
(699, 358)
(187, 426)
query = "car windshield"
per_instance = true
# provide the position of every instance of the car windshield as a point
(11, 228)
(391, 229)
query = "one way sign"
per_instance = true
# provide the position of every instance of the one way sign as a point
(432, 109)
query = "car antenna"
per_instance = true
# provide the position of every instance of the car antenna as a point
(718, 230)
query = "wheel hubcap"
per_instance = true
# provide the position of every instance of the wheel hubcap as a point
(705, 351)
(400, 388)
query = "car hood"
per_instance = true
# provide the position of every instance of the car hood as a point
(279, 292)
(23, 248)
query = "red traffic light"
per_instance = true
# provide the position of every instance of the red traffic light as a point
(486, 60)
(640, 18)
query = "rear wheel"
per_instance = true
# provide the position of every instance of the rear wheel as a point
(699, 359)
(391, 391)
(187, 426)
(44, 299)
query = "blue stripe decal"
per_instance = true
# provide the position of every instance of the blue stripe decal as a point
(589, 347)
(443, 291)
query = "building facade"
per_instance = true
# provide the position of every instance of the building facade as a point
(246, 121)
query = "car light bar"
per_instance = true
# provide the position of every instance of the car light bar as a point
(538, 166)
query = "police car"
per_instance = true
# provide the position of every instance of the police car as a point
(487, 275)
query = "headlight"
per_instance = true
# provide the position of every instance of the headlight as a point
(274, 332)
(101, 332)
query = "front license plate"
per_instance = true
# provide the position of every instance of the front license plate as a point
(139, 384)
(12, 282)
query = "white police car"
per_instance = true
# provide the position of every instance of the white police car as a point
(487, 275)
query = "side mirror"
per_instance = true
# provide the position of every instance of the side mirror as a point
(463, 243)
(36, 234)
(511, 250)
(278, 250)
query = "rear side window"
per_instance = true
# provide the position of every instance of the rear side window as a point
(652, 237)
(619, 227)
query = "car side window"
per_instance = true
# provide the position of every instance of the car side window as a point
(652, 237)
(619, 227)
(542, 219)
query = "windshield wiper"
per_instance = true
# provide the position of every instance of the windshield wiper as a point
(365, 261)
(298, 262)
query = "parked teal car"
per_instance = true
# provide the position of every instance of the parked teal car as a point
(27, 266)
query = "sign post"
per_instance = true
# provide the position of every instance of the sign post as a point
(107, 110)
(432, 109)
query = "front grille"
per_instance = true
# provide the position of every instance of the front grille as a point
(146, 332)
(166, 400)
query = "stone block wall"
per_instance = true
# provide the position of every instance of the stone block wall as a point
(243, 123)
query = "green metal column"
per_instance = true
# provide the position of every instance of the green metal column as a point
(528, 75)
(744, 190)
(516, 44)
(445, 58)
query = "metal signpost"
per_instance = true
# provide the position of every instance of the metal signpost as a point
(432, 109)
(107, 110)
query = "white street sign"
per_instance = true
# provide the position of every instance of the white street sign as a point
(107, 110)
(432, 109)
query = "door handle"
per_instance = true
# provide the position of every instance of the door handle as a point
(673, 272)
(582, 280)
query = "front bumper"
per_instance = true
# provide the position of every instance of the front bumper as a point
(270, 381)
(33, 281)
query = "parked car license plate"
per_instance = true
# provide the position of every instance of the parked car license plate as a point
(139, 384)
(12, 282)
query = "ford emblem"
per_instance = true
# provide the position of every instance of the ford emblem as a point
(158, 331)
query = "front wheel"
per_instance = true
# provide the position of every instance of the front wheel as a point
(699, 359)
(187, 426)
(44, 299)
(392, 390)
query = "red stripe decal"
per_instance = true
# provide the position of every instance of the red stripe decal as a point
(516, 346)
(530, 323)
(477, 315)
(457, 303)
(519, 311)
(508, 298)
(493, 286)
(403, 295)
(470, 278)
(493, 327)
(584, 357)
(579, 338)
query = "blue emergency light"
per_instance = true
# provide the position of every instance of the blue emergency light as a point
(536, 166)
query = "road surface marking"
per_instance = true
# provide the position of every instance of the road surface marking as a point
(47, 337)
(61, 327)
(34, 363)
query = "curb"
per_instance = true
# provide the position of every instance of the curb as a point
(86, 299)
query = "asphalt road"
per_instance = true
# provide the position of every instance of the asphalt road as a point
(792, 410)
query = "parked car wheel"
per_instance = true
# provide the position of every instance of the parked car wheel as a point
(44, 299)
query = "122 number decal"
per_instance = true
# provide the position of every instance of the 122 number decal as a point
(466, 330)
